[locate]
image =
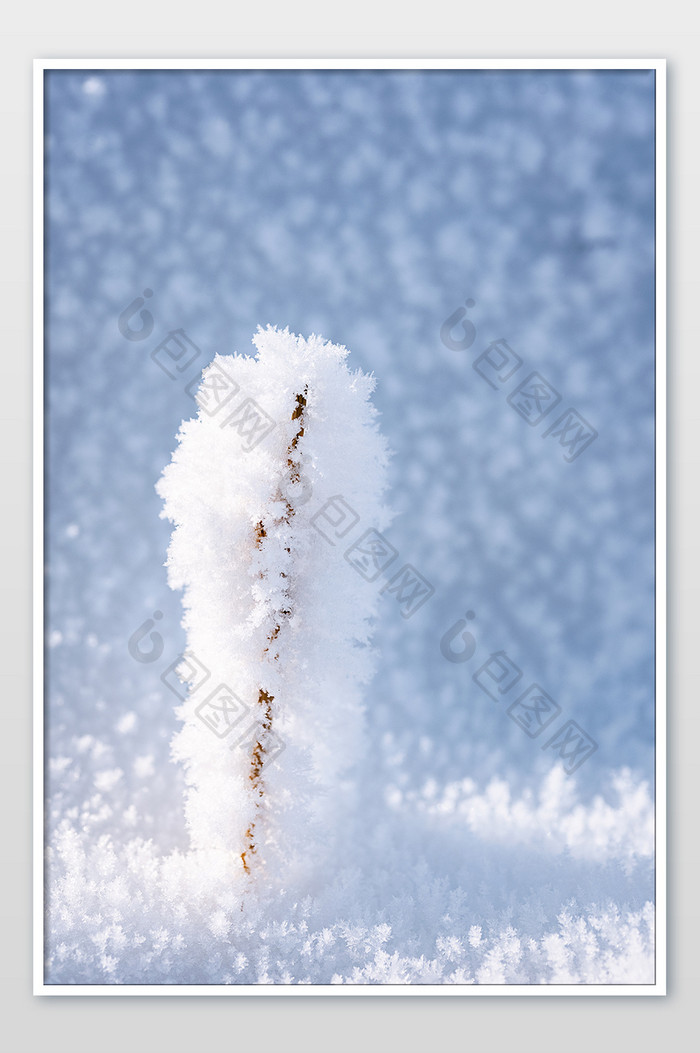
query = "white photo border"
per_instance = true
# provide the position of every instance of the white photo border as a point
(41, 66)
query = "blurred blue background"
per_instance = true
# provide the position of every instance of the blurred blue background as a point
(367, 206)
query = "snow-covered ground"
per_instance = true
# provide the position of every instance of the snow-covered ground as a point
(368, 207)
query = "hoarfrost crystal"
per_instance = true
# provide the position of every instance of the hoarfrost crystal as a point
(283, 459)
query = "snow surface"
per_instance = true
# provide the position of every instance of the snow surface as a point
(367, 207)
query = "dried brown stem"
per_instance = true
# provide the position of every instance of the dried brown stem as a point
(265, 699)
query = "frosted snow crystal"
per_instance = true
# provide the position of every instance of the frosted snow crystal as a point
(273, 612)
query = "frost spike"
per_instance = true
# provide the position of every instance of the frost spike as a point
(280, 473)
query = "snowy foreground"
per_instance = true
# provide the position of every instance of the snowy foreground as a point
(302, 866)
(455, 886)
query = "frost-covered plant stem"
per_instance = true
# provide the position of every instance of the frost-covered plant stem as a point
(274, 614)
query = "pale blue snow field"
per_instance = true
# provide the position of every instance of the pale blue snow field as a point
(369, 207)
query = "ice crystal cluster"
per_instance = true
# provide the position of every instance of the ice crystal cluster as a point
(274, 613)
